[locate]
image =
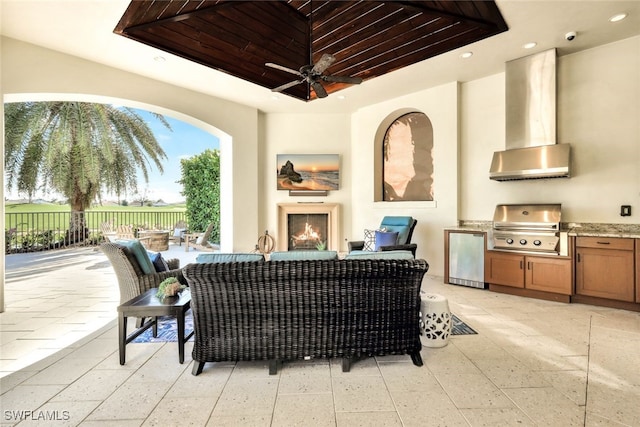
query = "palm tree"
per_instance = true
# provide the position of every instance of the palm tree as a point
(78, 149)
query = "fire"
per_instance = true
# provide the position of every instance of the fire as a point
(308, 234)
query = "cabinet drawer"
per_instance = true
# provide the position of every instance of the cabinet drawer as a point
(605, 243)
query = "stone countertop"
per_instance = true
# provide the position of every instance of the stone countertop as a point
(471, 226)
(631, 231)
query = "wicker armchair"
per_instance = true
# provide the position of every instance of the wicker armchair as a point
(131, 280)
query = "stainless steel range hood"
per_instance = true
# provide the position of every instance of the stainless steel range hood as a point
(531, 149)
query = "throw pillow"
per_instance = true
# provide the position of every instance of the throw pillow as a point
(178, 232)
(369, 240)
(140, 253)
(158, 262)
(385, 238)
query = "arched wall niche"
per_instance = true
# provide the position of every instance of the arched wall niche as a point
(423, 153)
(226, 140)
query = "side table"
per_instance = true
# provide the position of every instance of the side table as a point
(148, 305)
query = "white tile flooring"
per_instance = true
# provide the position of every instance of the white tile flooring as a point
(533, 363)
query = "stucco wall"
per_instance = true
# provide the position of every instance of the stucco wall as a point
(598, 114)
(440, 104)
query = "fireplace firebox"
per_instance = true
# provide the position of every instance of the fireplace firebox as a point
(307, 226)
(306, 231)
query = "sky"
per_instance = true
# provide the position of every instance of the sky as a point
(183, 141)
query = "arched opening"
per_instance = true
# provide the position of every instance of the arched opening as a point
(225, 143)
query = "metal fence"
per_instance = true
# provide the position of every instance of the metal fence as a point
(38, 231)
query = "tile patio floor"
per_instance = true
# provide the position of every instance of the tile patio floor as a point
(533, 363)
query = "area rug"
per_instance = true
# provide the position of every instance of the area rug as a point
(167, 330)
(458, 327)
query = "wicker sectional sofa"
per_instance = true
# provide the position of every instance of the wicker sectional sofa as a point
(304, 309)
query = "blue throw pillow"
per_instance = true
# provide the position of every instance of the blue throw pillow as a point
(158, 262)
(385, 238)
(140, 253)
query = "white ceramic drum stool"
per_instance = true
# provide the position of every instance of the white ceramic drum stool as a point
(435, 320)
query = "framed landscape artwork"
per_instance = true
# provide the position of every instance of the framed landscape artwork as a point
(308, 172)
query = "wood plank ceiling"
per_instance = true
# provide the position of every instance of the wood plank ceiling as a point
(368, 38)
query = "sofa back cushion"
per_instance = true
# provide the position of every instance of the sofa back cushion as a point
(380, 255)
(228, 257)
(303, 255)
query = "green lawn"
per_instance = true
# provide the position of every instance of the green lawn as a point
(46, 207)
(36, 218)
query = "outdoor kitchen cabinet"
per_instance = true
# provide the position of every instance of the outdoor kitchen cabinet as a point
(605, 268)
(506, 269)
(549, 274)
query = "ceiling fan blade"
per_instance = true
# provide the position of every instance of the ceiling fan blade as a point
(286, 86)
(325, 61)
(282, 68)
(342, 79)
(319, 90)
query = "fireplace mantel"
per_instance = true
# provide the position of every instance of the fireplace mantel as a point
(331, 209)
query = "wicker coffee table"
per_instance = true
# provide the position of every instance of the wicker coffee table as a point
(147, 305)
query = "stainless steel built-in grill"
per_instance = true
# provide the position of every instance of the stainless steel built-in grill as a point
(527, 228)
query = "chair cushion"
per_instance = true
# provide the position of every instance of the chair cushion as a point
(401, 224)
(140, 253)
(178, 232)
(229, 257)
(379, 255)
(385, 238)
(302, 255)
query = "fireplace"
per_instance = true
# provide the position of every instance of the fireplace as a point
(307, 226)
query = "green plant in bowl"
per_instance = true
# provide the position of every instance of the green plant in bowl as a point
(169, 287)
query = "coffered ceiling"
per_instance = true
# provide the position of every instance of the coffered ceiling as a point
(367, 38)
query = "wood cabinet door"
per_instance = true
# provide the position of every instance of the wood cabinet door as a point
(504, 269)
(549, 275)
(638, 270)
(605, 273)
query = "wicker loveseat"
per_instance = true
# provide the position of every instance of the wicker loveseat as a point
(303, 309)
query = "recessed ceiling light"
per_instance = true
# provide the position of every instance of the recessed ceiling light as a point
(529, 45)
(159, 58)
(275, 97)
(466, 55)
(618, 17)
(341, 97)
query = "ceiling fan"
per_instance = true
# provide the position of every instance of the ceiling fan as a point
(312, 74)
